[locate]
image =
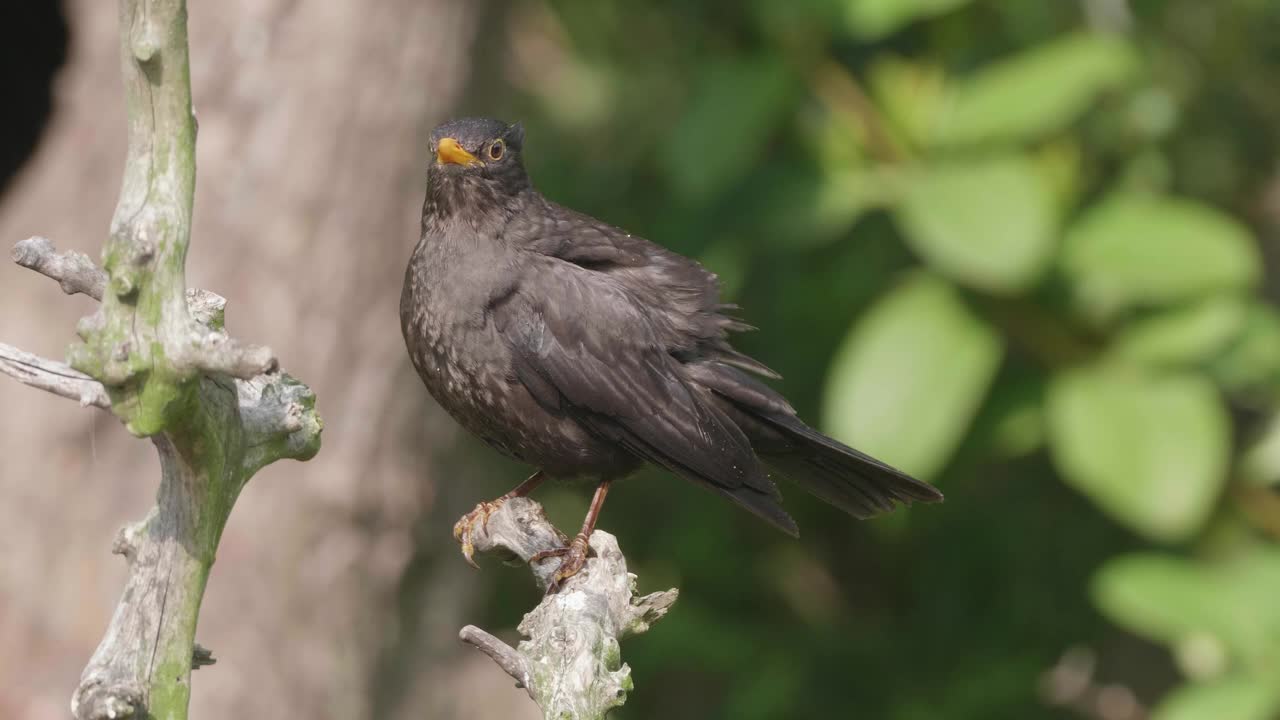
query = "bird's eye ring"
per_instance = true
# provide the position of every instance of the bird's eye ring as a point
(495, 150)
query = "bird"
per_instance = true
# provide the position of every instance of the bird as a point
(586, 352)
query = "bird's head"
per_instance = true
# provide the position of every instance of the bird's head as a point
(476, 161)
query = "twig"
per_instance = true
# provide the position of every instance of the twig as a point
(52, 376)
(570, 662)
(74, 271)
(511, 662)
(205, 349)
(222, 355)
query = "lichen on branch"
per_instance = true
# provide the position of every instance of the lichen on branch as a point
(570, 661)
(158, 355)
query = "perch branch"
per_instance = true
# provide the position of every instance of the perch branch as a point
(157, 355)
(570, 662)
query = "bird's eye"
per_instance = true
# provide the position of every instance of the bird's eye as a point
(496, 150)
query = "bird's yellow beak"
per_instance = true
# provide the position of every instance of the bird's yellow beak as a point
(448, 151)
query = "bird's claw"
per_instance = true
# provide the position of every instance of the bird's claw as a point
(573, 559)
(465, 528)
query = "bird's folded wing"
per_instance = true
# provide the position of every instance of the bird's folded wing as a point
(584, 347)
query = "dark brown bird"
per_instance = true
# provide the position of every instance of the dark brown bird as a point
(584, 351)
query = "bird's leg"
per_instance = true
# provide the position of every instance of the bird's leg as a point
(574, 556)
(465, 527)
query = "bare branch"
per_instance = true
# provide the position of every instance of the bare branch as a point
(507, 658)
(210, 352)
(52, 376)
(217, 410)
(215, 352)
(74, 271)
(570, 663)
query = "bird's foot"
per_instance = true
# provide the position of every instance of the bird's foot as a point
(572, 559)
(465, 528)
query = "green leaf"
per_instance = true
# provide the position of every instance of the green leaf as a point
(1150, 451)
(1037, 92)
(735, 106)
(1252, 358)
(987, 223)
(1237, 698)
(1135, 250)
(1161, 597)
(910, 95)
(1059, 163)
(1184, 335)
(876, 18)
(909, 378)
(829, 140)
(1172, 600)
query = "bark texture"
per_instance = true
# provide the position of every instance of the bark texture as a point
(570, 662)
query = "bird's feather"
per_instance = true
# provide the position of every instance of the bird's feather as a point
(847, 478)
(581, 346)
(660, 323)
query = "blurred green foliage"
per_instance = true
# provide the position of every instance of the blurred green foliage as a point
(1013, 247)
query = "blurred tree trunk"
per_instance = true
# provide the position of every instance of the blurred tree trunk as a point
(312, 123)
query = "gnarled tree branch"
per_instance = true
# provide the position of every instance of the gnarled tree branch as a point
(268, 417)
(158, 356)
(570, 662)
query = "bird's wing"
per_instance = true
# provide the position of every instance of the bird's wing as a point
(584, 345)
(680, 297)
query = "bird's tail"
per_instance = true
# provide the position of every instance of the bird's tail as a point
(836, 473)
(852, 481)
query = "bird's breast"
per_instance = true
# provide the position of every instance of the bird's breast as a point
(452, 343)
(465, 361)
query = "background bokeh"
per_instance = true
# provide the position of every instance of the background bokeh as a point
(1025, 250)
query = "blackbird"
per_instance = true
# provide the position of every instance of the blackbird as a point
(585, 351)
